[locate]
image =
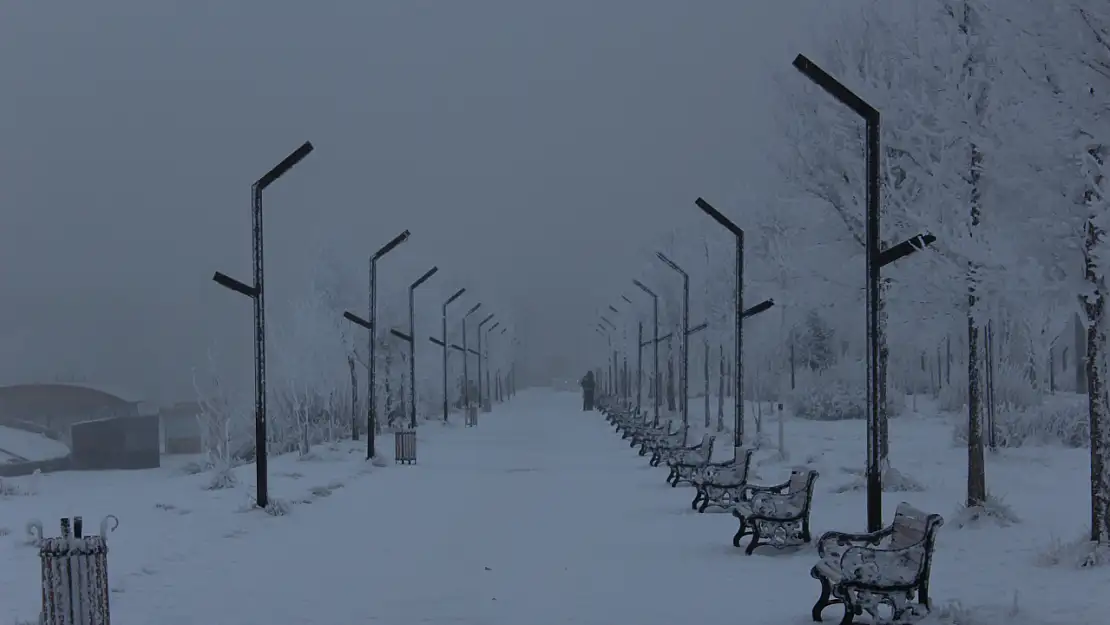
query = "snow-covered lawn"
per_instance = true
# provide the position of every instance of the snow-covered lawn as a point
(541, 515)
(20, 445)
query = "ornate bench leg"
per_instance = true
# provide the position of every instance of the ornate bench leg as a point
(754, 542)
(740, 533)
(823, 600)
(697, 500)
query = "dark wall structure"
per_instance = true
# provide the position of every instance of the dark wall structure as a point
(119, 443)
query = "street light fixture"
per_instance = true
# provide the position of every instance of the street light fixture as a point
(258, 294)
(685, 334)
(876, 258)
(500, 389)
(466, 357)
(410, 338)
(483, 322)
(443, 343)
(372, 365)
(486, 407)
(655, 344)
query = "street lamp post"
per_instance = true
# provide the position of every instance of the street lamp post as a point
(488, 406)
(655, 344)
(466, 357)
(876, 259)
(613, 388)
(484, 321)
(443, 343)
(685, 334)
(372, 365)
(621, 390)
(410, 338)
(258, 294)
(607, 383)
(500, 387)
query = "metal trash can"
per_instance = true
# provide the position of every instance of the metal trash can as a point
(404, 447)
(75, 576)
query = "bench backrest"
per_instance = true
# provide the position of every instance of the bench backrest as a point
(706, 441)
(743, 462)
(912, 526)
(799, 487)
(799, 481)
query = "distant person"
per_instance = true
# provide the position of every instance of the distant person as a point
(588, 391)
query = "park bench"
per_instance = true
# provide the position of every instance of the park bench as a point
(719, 484)
(668, 448)
(776, 515)
(632, 423)
(666, 443)
(647, 437)
(889, 567)
(686, 465)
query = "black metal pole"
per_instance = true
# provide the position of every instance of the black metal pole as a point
(639, 364)
(738, 395)
(874, 374)
(260, 425)
(654, 346)
(876, 259)
(372, 365)
(500, 386)
(466, 358)
(684, 403)
(447, 303)
(655, 380)
(489, 389)
(257, 293)
(412, 343)
(480, 324)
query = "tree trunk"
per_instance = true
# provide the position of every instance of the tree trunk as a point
(976, 463)
(1095, 307)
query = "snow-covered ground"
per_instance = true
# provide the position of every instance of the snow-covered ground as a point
(18, 445)
(541, 515)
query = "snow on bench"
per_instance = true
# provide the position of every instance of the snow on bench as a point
(776, 515)
(889, 568)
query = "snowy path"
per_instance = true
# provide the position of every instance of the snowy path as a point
(542, 516)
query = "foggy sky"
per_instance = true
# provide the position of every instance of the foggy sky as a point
(532, 148)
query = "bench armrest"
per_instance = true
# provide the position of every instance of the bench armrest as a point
(751, 490)
(838, 542)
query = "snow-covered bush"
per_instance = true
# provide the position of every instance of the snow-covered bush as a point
(1062, 420)
(1080, 552)
(994, 511)
(225, 426)
(1012, 388)
(834, 394)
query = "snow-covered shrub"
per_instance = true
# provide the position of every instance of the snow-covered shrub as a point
(20, 487)
(278, 507)
(226, 435)
(835, 394)
(222, 478)
(1012, 388)
(1080, 552)
(314, 350)
(994, 511)
(1061, 420)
